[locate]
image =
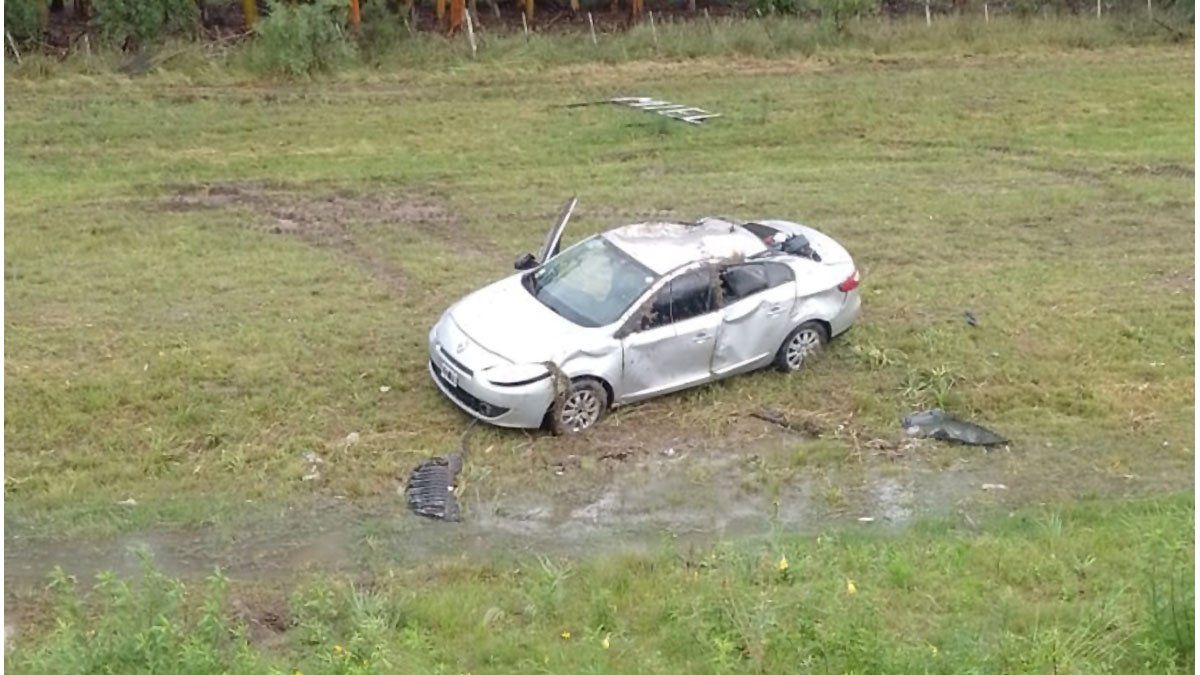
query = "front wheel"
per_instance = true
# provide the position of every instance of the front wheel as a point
(579, 408)
(800, 345)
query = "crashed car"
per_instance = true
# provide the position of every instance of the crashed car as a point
(637, 312)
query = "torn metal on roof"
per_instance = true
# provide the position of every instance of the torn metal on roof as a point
(678, 111)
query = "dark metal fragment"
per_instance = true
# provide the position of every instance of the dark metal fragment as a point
(945, 427)
(431, 486)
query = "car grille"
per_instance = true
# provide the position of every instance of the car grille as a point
(462, 396)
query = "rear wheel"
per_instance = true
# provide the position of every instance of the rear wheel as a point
(579, 408)
(800, 345)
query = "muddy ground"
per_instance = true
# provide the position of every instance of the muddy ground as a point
(601, 501)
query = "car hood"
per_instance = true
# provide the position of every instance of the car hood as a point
(506, 320)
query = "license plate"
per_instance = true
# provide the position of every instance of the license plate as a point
(448, 374)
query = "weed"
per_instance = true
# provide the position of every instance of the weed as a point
(300, 40)
(145, 21)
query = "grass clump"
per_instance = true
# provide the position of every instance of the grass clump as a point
(145, 627)
(300, 40)
(141, 22)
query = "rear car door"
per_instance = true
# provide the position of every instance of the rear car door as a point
(758, 300)
(671, 344)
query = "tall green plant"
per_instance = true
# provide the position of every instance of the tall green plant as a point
(144, 21)
(300, 40)
(22, 19)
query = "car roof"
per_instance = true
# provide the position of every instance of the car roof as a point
(663, 247)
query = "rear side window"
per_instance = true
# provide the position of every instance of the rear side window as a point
(778, 275)
(742, 281)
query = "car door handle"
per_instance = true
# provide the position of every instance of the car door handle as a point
(701, 337)
(775, 310)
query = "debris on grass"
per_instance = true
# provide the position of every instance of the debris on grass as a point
(943, 426)
(313, 460)
(971, 318)
(433, 483)
(993, 486)
(675, 111)
(805, 426)
(127, 502)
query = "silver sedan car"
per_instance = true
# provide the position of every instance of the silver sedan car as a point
(639, 311)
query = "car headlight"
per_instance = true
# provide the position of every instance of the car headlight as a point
(517, 374)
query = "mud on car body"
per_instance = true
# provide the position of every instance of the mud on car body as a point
(639, 311)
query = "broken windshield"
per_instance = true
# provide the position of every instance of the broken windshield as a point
(591, 283)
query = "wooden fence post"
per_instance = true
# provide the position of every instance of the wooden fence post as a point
(471, 35)
(249, 14)
(592, 29)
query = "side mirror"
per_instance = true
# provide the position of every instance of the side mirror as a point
(525, 262)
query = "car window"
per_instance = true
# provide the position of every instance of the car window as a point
(691, 295)
(742, 281)
(686, 296)
(778, 275)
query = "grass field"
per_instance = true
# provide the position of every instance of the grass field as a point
(208, 277)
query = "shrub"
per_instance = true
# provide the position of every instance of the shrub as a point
(22, 19)
(382, 29)
(146, 20)
(299, 40)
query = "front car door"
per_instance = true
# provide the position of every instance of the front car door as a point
(758, 301)
(671, 343)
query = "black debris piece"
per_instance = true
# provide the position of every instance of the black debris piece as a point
(970, 317)
(945, 427)
(431, 486)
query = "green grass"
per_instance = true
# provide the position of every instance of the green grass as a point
(189, 358)
(183, 350)
(390, 47)
(1042, 590)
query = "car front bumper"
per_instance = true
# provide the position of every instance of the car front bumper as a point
(522, 407)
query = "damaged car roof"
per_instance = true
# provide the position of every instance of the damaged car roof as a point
(663, 247)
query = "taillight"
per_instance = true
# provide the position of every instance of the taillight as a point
(850, 283)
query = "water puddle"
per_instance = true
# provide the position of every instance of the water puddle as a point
(695, 496)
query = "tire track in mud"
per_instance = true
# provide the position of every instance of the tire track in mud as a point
(325, 221)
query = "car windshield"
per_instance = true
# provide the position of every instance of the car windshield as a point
(591, 283)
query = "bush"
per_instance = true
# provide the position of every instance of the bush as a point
(299, 40)
(146, 20)
(22, 19)
(382, 30)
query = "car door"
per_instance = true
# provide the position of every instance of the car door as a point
(670, 345)
(758, 300)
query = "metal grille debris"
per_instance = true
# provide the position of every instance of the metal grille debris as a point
(432, 485)
(677, 111)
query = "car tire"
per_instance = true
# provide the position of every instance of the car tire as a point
(579, 408)
(800, 344)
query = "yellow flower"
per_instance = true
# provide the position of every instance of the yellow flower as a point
(566, 635)
(851, 589)
(783, 563)
(337, 649)
(933, 650)
(604, 643)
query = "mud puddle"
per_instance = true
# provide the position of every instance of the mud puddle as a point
(691, 496)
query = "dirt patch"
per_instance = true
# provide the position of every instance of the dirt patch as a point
(266, 618)
(325, 221)
(1166, 169)
(1174, 281)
